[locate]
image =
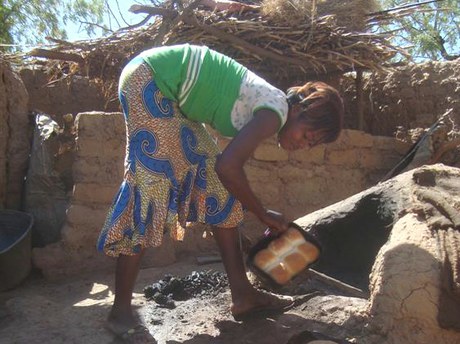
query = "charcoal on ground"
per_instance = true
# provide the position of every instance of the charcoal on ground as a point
(197, 284)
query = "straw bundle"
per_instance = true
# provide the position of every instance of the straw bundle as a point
(273, 45)
(350, 14)
(281, 49)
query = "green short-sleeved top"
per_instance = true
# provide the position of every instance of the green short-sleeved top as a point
(205, 83)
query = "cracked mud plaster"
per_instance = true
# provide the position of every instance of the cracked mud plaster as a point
(415, 279)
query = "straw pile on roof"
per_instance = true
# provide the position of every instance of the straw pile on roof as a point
(350, 14)
(282, 40)
(290, 38)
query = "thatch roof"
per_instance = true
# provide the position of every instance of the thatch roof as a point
(274, 41)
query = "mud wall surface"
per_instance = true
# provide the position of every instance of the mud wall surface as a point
(415, 280)
(15, 134)
(413, 96)
(409, 97)
(294, 183)
(60, 95)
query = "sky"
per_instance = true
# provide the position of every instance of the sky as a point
(75, 33)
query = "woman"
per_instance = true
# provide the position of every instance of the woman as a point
(174, 172)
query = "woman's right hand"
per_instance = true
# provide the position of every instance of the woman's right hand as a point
(275, 221)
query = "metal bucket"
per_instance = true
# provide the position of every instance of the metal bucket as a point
(15, 247)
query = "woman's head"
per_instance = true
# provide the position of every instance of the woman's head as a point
(315, 116)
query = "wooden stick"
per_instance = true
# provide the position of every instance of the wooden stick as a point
(56, 55)
(191, 20)
(346, 288)
(359, 98)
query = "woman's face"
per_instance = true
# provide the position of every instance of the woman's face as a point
(296, 134)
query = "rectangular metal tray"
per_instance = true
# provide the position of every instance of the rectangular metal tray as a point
(264, 242)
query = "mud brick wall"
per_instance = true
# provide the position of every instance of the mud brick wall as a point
(14, 136)
(73, 95)
(413, 96)
(294, 183)
(97, 172)
(409, 97)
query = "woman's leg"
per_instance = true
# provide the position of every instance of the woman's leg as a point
(127, 269)
(121, 321)
(228, 241)
(244, 296)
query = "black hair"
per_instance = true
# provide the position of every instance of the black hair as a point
(322, 107)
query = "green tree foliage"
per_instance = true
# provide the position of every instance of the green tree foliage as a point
(30, 21)
(5, 24)
(431, 30)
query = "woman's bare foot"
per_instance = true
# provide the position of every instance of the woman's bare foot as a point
(128, 329)
(247, 301)
(122, 319)
(260, 303)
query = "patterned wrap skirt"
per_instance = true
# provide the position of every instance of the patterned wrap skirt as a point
(169, 175)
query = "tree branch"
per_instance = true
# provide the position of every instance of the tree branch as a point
(154, 11)
(170, 18)
(113, 15)
(398, 8)
(445, 55)
(56, 55)
(97, 25)
(142, 22)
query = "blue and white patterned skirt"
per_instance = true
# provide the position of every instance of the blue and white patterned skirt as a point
(169, 172)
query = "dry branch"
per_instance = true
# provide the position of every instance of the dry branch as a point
(164, 12)
(277, 49)
(57, 55)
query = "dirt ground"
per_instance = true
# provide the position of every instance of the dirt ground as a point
(74, 311)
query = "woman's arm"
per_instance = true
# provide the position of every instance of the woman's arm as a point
(230, 163)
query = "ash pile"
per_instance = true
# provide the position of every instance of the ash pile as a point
(198, 284)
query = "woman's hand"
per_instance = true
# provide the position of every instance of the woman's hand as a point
(275, 221)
